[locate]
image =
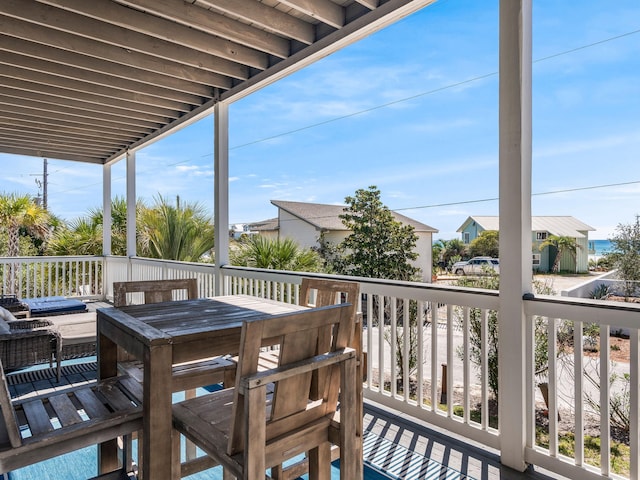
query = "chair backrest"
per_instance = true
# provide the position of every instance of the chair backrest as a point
(319, 292)
(154, 291)
(296, 334)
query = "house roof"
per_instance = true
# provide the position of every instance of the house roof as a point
(327, 217)
(562, 226)
(264, 226)
(90, 80)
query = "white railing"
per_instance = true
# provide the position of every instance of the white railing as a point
(595, 395)
(443, 371)
(28, 277)
(123, 269)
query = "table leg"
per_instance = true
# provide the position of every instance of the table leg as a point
(157, 423)
(107, 367)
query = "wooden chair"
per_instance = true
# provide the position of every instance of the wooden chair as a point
(186, 376)
(42, 427)
(273, 415)
(317, 292)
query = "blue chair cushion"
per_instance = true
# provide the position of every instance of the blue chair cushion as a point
(53, 305)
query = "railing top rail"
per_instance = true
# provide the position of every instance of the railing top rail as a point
(606, 312)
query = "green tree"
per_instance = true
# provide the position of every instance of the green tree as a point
(20, 216)
(278, 254)
(83, 236)
(378, 246)
(447, 252)
(175, 232)
(485, 244)
(626, 255)
(561, 244)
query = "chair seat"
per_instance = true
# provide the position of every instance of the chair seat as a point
(187, 376)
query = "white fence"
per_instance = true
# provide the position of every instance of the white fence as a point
(431, 353)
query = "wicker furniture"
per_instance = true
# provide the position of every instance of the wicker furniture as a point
(67, 420)
(274, 415)
(27, 342)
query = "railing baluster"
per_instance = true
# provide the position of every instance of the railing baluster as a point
(552, 386)
(578, 389)
(466, 365)
(605, 410)
(420, 347)
(450, 365)
(393, 334)
(434, 360)
(634, 402)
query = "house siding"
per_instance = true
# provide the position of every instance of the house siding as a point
(305, 234)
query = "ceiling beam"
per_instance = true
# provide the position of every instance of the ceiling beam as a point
(87, 28)
(72, 73)
(79, 86)
(68, 97)
(53, 102)
(265, 16)
(105, 67)
(39, 108)
(43, 153)
(121, 56)
(46, 136)
(323, 10)
(140, 22)
(216, 24)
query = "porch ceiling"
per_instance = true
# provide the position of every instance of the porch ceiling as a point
(87, 80)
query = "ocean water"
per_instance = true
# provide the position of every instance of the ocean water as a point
(600, 246)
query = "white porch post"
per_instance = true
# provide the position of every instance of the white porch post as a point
(106, 209)
(515, 223)
(221, 190)
(131, 204)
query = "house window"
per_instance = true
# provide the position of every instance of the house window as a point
(541, 235)
(536, 259)
(465, 237)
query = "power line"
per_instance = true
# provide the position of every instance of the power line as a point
(429, 92)
(482, 200)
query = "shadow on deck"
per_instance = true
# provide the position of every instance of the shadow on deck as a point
(399, 446)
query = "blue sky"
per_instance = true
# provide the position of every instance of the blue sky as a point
(413, 110)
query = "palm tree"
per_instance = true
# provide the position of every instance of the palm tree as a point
(20, 213)
(561, 244)
(175, 232)
(84, 235)
(278, 254)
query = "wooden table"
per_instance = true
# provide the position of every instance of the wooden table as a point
(163, 334)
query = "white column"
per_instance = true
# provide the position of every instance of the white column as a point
(221, 190)
(106, 209)
(131, 204)
(515, 222)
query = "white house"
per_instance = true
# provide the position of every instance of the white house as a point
(305, 222)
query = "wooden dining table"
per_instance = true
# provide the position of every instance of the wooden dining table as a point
(162, 335)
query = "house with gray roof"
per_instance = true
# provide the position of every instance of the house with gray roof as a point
(305, 222)
(542, 227)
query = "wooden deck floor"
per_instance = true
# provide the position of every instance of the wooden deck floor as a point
(393, 443)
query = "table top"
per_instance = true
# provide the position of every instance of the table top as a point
(216, 320)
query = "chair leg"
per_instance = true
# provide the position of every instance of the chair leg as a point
(176, 461)
(320, 462)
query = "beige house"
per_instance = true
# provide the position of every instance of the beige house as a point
(305, 222)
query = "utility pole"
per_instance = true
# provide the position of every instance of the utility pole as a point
(42, 184)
